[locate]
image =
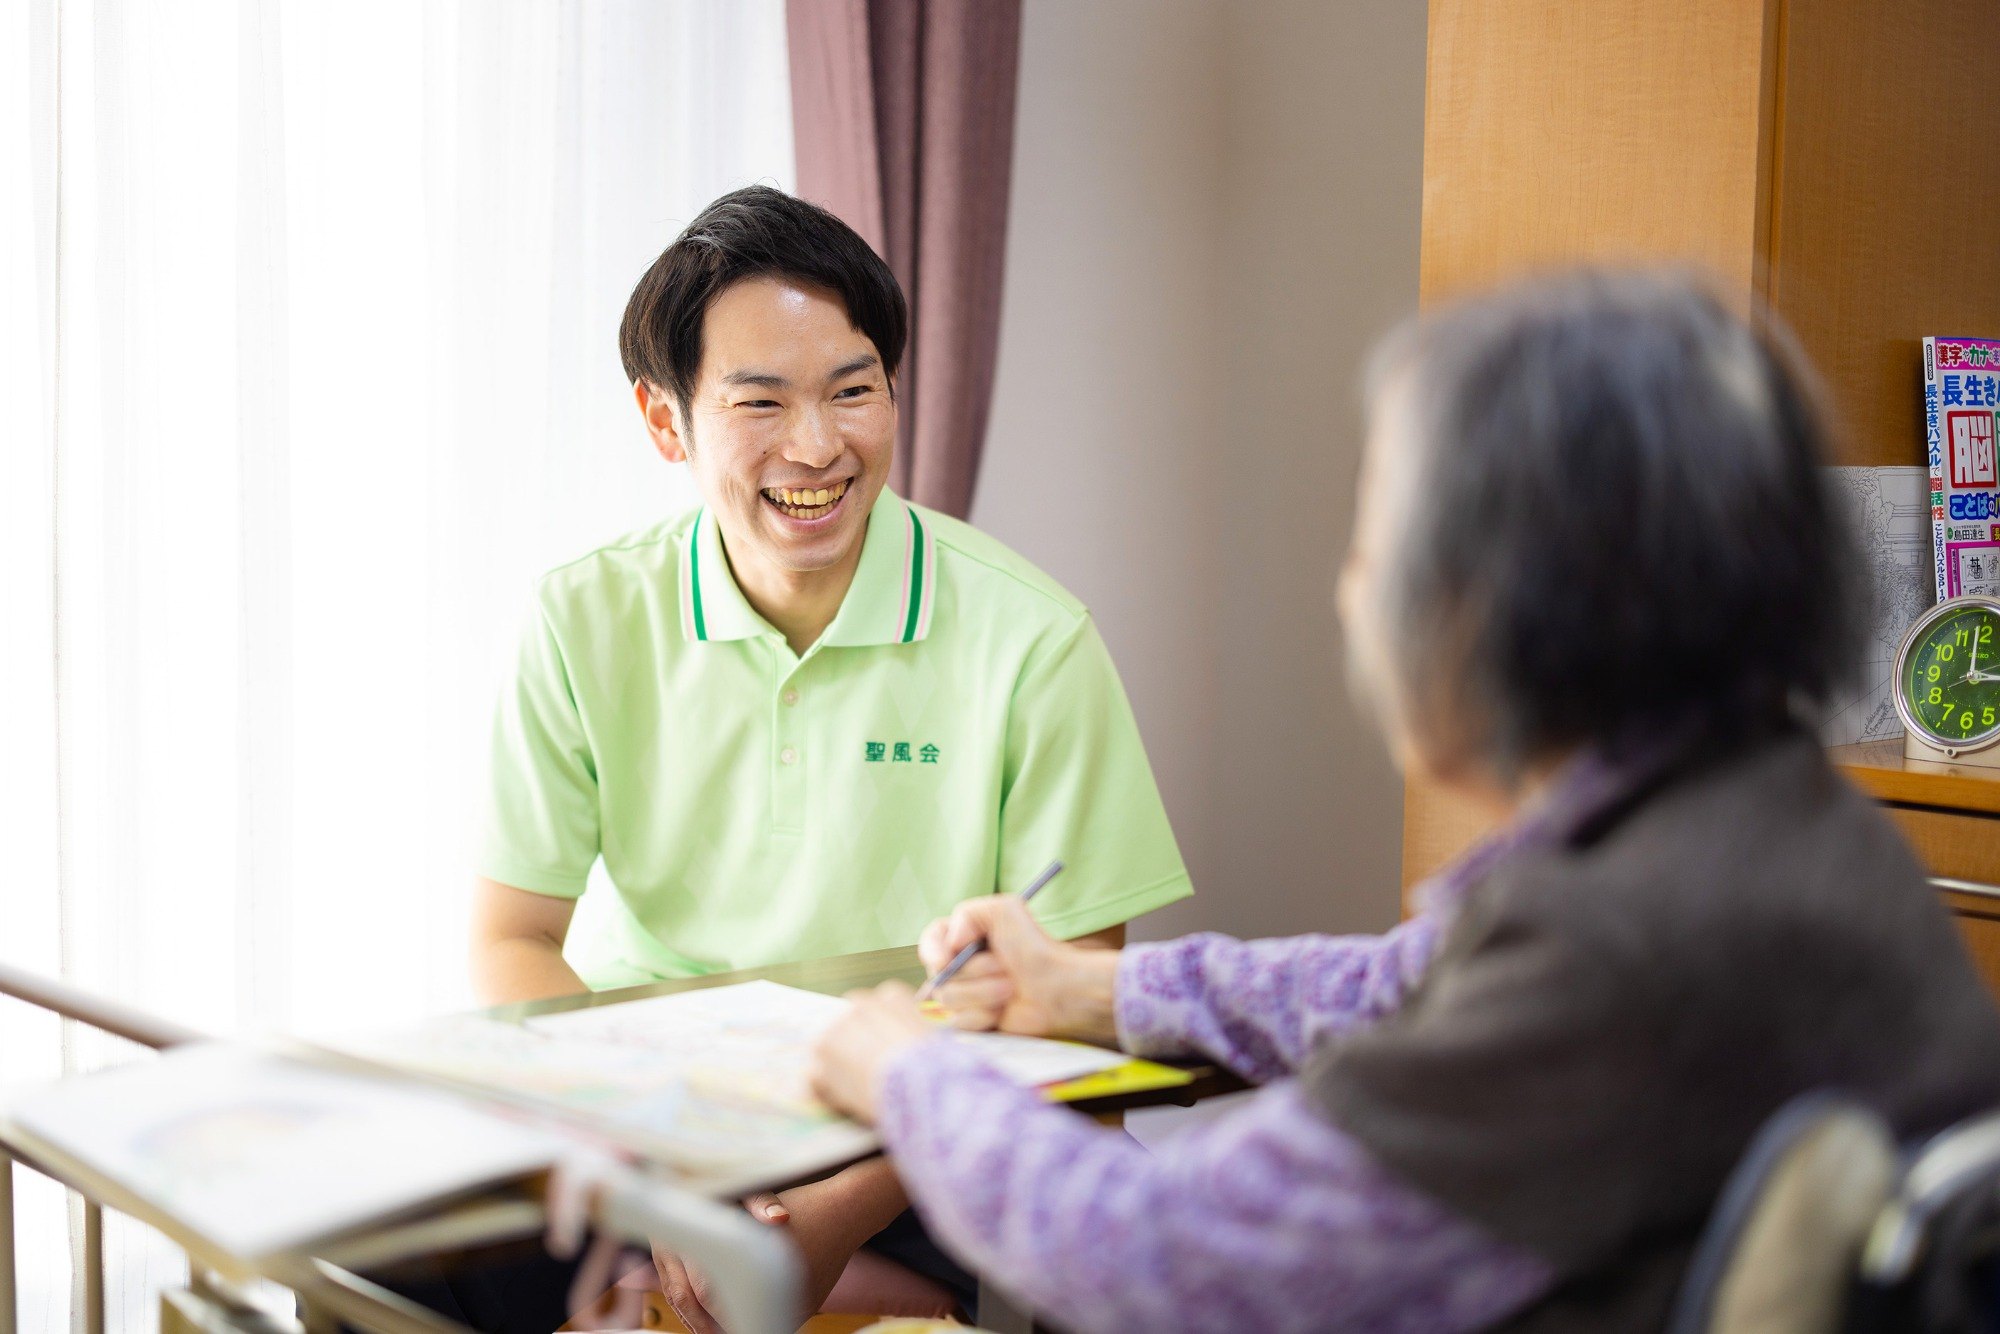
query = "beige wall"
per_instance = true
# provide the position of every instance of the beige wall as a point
(1215, 210)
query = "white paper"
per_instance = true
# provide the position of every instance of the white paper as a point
(763, 1032)
(1890, 511)
(1032, 1062)
(714, 1085)
(260, 1154)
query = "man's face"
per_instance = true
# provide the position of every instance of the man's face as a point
(791, 428)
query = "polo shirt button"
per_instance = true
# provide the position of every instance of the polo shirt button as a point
(790, 697)
(788, 756)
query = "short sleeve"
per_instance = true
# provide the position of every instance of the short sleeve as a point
(1519, 1087)
(539, 828)
(1078, 788)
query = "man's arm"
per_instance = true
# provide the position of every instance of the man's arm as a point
(517, 941)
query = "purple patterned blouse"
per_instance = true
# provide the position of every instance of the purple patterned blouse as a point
(1268, 1218)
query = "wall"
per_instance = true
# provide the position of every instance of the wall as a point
(1215, 211)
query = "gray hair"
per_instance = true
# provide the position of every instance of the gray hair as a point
(1618, 518)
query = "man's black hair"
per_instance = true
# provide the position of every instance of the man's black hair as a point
(753, 232)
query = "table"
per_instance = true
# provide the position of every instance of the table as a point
(843, 973)
(513, 1215)
(471, 1229)
(1950, 813)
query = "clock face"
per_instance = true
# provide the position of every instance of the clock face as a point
(1949, 675)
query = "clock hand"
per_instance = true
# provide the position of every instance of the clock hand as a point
(1973, 676)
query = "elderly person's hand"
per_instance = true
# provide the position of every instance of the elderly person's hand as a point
(853, 1052)
(1025, 981)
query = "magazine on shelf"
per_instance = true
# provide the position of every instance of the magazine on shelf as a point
(1961, 421)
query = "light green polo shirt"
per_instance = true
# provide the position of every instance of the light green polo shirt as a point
(957, 727)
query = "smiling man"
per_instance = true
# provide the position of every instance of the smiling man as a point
(807, 717)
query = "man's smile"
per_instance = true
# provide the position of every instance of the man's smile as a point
(805, 503)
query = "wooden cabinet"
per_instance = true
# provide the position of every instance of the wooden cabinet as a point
(1808, 153)
(1951, 815)
(1979, 922)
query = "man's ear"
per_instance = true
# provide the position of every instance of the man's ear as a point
(657, 407)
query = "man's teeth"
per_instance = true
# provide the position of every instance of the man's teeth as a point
(805, 504)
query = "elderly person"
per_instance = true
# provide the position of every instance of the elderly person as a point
(1595, 581)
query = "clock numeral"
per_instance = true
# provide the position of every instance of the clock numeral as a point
(1940, 695)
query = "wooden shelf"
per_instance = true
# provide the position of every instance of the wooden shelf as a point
(1785, 147)
(1879, 769)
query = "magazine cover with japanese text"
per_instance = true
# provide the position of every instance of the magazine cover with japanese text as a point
(1961, 417)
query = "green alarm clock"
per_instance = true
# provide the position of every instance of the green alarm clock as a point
(1948, 682)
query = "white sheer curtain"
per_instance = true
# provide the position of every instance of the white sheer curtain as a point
(308, 364)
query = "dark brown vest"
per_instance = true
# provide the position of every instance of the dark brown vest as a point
(1612, 1016)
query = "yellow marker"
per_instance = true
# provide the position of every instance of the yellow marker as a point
(1132, 1077)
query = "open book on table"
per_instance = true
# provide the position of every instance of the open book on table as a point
(710, 1083)
(255, 1156)
(261, 1153)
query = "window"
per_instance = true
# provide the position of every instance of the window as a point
(307, 366)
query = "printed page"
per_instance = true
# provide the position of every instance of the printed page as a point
(714, 1082)
(260, 1154)
(763, 1032)
(719, 1094)
(1889, 512)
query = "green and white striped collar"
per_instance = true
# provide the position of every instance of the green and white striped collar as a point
(889, 602)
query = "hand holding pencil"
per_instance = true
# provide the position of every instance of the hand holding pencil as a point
(940, 976)
(1024, 980)
(1019, 980)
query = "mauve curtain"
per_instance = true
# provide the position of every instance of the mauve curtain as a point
(903, 120)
